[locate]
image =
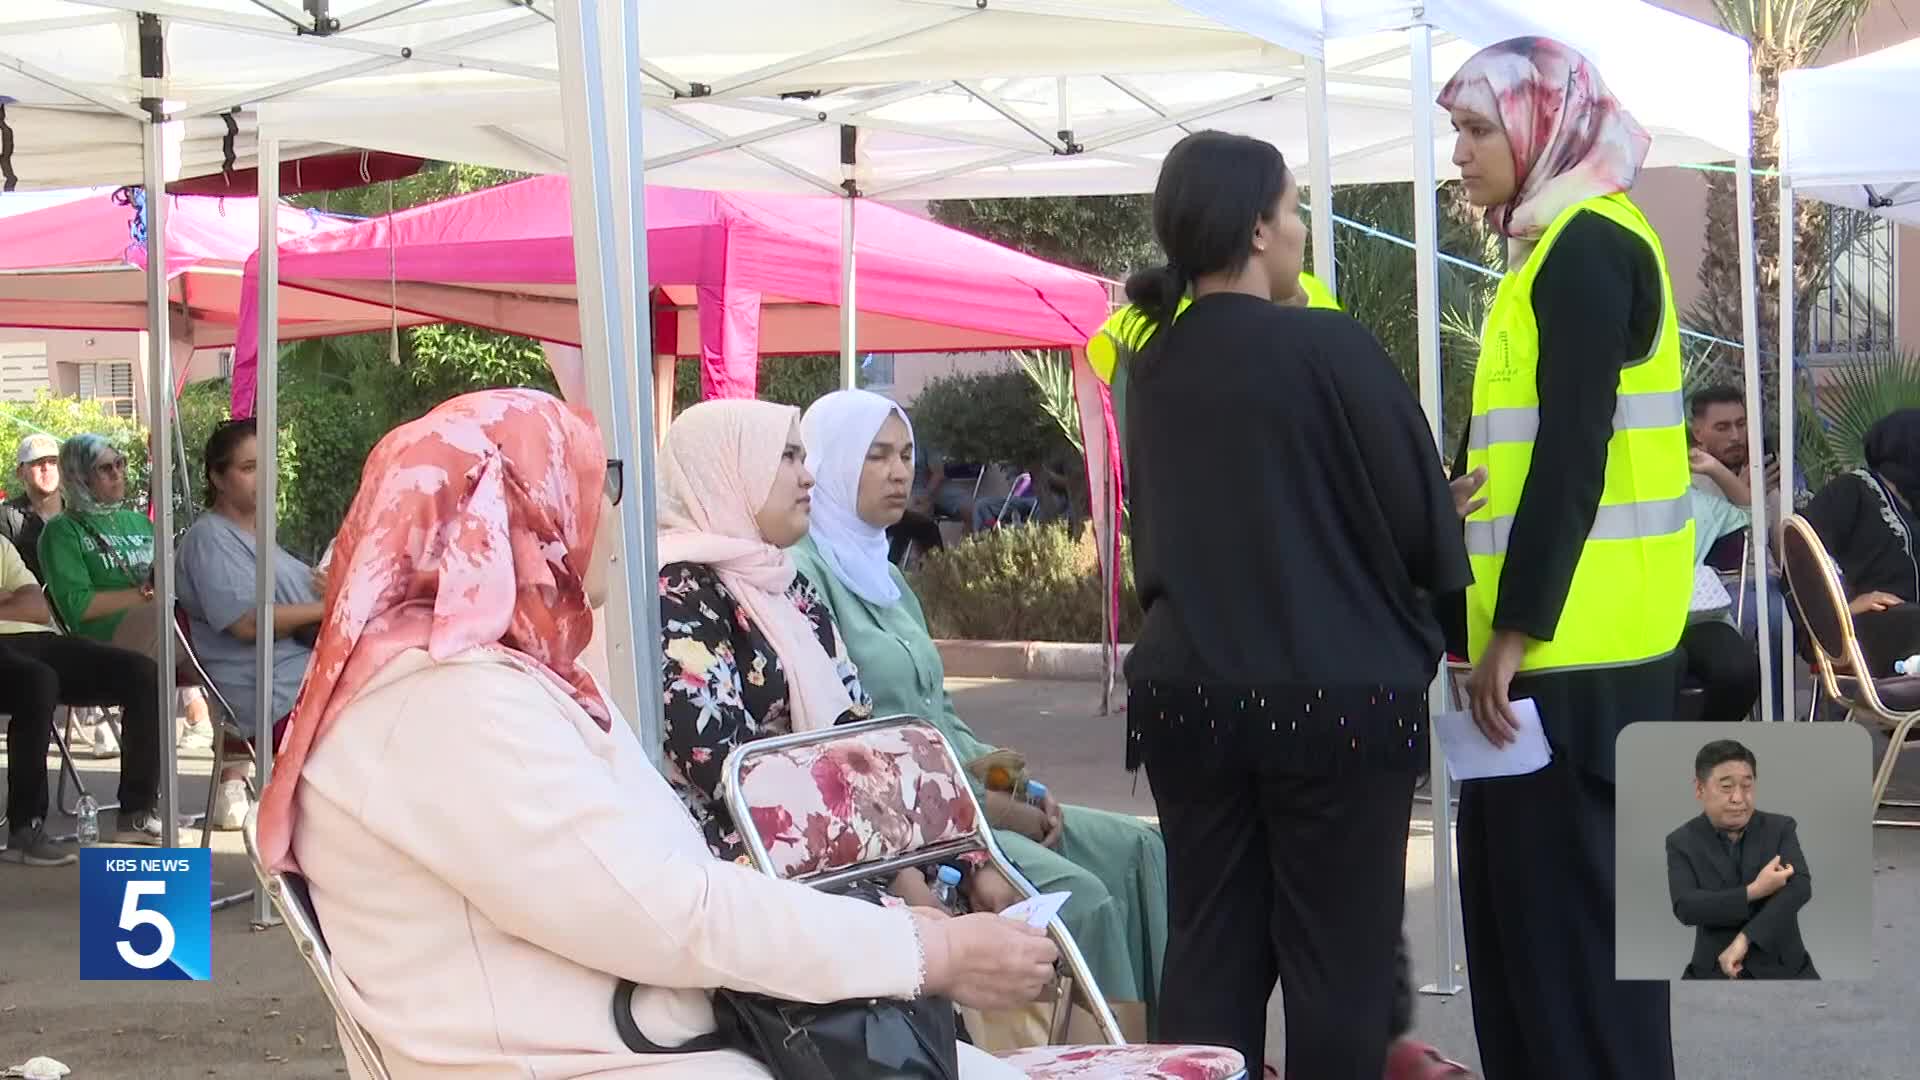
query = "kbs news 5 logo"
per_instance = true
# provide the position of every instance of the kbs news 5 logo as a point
(146, 914)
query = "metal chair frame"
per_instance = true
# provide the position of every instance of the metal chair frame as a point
(979, 839)
(63, 738)
(290, 894)
(1867, 701)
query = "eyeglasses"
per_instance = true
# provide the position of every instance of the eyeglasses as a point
(616, 483)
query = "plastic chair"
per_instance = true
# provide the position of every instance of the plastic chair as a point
(771, 783)
(1893, 703)
(291, 896)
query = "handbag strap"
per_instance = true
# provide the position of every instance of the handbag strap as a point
(637, 1041)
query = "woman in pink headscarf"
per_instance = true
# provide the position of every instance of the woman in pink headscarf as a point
(489, 849)
(750, 646)
(1582, 551)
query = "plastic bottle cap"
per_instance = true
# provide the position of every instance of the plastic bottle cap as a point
(949, 876)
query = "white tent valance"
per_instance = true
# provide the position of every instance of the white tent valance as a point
(952, 98)
(1848, 135)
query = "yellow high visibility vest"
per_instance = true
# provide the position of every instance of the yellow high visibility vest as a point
(1112, 348)
(1633, 583)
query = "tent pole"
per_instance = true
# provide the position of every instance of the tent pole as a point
(1750, 362)
(1320, 168)
(159, 461)
(1789, 400)
(849, 307)
(266, 517)
(1426, 238)
(611, 271)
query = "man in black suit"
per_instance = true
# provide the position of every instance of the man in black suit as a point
(1736, 874)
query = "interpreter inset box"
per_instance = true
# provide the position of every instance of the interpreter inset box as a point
(1744, 851)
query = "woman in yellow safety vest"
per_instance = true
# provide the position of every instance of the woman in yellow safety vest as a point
(1582, 553)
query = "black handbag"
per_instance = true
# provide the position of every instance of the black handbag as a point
(878, 1039)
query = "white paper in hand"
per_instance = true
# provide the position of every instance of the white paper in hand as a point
(1038, 911)
(1471, 757)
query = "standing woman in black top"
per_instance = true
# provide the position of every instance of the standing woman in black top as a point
(1290, 520)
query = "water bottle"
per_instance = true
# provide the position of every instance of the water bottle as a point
(87, 825)
(947, 888)
(1909, 666)
(1035, 793)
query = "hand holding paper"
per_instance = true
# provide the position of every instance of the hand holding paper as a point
(1472, 756)
(1038, 911)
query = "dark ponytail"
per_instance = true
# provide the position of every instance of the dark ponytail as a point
(1212, 188)
(1157, 291)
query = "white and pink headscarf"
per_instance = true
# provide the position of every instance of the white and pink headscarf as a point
(474, 526)
(717, 467)
(1572, 140)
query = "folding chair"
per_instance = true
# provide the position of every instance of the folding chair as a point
(1021, 485)
(1893, 703)
(771, 784)
(290, 895)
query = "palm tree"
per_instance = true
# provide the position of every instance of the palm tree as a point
(1784, 34)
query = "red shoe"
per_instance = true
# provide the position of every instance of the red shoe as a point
(1409, 1059)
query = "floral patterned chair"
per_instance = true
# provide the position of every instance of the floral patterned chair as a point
(869, 799)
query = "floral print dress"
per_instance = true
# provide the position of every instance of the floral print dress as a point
(724, 686)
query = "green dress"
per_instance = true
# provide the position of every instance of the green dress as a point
(1115, 865)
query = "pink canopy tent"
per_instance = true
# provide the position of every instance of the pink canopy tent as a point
(81, 265)
(736, 275)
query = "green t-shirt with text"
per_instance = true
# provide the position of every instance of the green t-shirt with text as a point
(84, 554)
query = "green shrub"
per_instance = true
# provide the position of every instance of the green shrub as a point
(62, 417)
(996, 417)
(789, 380)
(1028, 583)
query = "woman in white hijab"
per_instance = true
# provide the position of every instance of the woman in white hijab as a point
(860, 447)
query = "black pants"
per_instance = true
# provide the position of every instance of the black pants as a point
(1727, 668)
(40, 672)
(1537, 897)
(1888, 636)
(1299, 878)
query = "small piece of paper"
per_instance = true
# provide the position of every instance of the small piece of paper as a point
(1471, 757)
(1038, 911)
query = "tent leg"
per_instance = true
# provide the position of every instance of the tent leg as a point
(160, 402)
(1426, 237)
(663, 393)
(1789, 683)
(1109, 586)
(849, 314)
(1750, 360)
(266, 519)
(598, 39)
(1320, 169)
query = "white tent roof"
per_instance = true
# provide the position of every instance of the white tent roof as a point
(952, 97)
(1849, 135)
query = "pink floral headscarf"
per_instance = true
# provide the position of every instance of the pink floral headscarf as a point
(717, 466)
(1572, 140)
(474, 526)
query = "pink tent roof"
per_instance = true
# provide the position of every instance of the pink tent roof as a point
(78, 266)
(737, 275)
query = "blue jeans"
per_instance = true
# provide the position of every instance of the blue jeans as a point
(1778, 630)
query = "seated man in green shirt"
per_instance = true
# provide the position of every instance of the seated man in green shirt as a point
(40, 671)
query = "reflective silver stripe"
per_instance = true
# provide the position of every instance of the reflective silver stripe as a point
(1632, 412)
(1621, 521)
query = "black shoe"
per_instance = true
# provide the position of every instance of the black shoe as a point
(31, 847)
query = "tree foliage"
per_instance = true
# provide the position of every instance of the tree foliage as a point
(63, 417)
(993, 417)
(1108, 235)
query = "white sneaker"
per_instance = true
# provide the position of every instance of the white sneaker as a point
(105, 744)
(196, 737)
(230, 806)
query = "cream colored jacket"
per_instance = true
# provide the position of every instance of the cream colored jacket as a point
(485, 862)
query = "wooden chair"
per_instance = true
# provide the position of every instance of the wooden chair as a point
(1892, 703)
(799, 834)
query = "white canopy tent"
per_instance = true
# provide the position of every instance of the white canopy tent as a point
(1847, 138)
(879, 98)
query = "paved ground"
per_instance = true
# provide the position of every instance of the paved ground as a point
(262, 1017)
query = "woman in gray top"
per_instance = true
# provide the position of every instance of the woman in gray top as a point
(217, 583)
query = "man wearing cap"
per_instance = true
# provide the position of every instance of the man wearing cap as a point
(37, 465)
